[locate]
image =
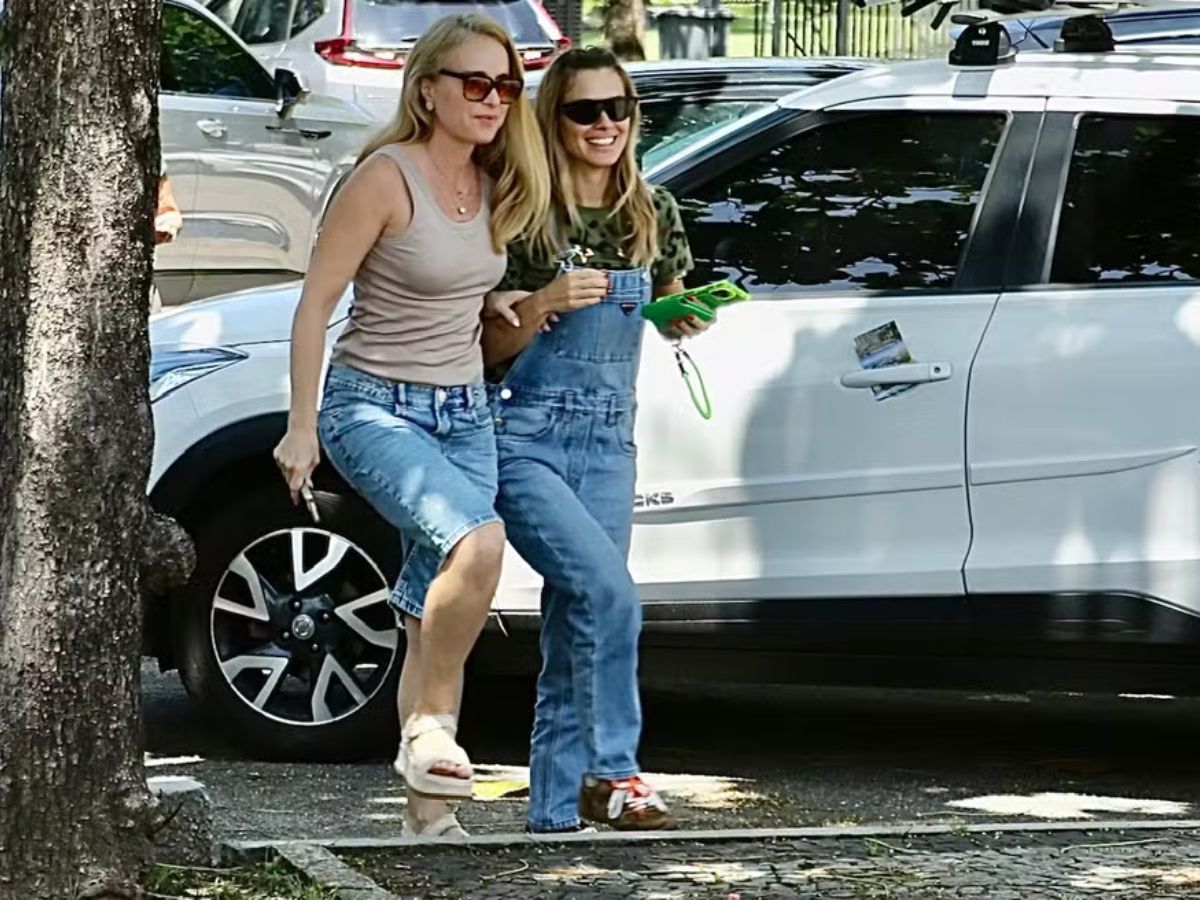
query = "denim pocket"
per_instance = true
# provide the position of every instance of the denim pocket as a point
(525, 423)
(625, 434)
(470, 418)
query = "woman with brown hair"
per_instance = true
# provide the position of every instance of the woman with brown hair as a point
(564, 409)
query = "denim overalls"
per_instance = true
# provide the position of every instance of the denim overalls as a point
(564, 418)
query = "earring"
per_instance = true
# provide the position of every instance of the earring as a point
(429, 104)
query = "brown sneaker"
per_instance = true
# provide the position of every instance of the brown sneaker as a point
(627, 804)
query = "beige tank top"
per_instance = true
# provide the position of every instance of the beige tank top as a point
(418, 296)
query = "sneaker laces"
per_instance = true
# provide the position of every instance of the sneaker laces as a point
(633, 795)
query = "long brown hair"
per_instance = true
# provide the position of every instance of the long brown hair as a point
(632, 204)
(515, 160)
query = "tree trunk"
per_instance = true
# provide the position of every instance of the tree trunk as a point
(625, 28)
(78, 170)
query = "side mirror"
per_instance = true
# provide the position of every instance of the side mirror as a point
(290, 90)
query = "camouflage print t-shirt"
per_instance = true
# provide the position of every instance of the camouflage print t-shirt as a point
(603, 236)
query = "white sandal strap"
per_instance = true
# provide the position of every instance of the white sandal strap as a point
(418, 726)
(430, 744)
(447, 722)
(447, 826)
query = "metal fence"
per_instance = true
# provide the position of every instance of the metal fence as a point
(815, 28)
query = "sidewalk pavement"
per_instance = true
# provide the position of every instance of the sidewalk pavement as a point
(1068, 864)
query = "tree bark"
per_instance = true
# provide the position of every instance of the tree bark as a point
(78, 171)
(625, 28)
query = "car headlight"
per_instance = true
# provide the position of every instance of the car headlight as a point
(172, 368)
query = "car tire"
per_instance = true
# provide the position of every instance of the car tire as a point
(282, 620)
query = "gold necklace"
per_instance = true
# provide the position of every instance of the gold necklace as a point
(461, 208)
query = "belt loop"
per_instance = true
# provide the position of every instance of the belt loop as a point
(401, 394)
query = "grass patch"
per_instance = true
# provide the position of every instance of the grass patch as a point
(269, 881)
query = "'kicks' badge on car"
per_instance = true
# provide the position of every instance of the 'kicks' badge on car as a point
(653, 498)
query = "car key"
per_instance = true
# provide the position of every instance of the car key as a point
(311, 502)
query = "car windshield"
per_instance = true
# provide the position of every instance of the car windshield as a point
(669, 127)
(397, 23)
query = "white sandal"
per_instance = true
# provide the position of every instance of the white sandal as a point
(431, 742)
(446, 827)
(450, 723)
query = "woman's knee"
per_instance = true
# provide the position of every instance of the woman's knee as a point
(479, 554)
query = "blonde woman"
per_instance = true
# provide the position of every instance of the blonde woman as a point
(421, 228)
(565, 413)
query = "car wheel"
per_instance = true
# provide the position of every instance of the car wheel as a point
(285, 635)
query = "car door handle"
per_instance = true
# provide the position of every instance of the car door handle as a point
(315, 134)
(214, 128)
(907, 373)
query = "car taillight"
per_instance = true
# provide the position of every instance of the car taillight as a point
(342, 51)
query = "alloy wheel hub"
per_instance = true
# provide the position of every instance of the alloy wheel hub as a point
(301, 626)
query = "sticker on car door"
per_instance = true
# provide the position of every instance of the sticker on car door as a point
(880, 347)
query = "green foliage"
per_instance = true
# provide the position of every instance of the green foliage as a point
(271, 881)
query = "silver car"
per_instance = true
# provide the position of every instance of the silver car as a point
(254, 159)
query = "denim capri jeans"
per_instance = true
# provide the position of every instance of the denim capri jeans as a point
(423, 456)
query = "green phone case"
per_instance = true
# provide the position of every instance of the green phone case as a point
(701, 302)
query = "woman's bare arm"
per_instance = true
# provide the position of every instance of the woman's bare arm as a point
(375, 200)
(570, 291)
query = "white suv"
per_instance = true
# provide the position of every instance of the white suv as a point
(1015, 499)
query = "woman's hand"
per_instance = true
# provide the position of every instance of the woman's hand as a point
(576, 289)
(167, 226)
(500, 304)
(297, 456)
(690, 327)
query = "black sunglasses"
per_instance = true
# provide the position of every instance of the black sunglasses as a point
(477, 86)
(587, 112)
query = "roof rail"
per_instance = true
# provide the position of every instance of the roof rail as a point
(980, 44)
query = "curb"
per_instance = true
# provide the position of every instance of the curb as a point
(257, 850)
(322, 867)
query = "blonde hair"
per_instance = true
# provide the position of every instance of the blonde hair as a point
(515, 160)
(632, 204)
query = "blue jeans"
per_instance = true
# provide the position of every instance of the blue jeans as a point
(575, 531)
(424, 457)
(564, 430)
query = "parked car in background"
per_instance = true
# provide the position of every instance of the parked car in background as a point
(253, 157)
(685, 99)
(355, 49)
(1011, 503)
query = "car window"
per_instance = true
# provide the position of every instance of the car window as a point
(1174, 40)
(881, 201)
(670, 125)
(393, 23)
(1133, 29)
(199, 58)
(1130, 209)
(227, 10)
(307, 12)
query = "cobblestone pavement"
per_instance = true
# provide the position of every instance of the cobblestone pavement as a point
(782, 757)
(1003, 867)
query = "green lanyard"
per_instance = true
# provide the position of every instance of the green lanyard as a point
(701, 401)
